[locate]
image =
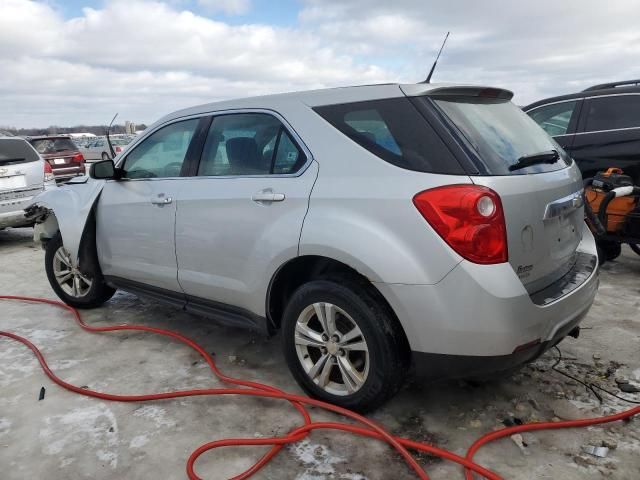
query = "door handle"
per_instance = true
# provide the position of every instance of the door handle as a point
(268, 197)
(161, 200)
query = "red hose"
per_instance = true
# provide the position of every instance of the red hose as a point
(369, 429)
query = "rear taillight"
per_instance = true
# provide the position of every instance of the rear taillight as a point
(78, 158)
(469, 218)
(48, 172)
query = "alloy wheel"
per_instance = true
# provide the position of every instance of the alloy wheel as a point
(332, 349)
(70, 279)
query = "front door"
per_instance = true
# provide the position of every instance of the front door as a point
(136, 215)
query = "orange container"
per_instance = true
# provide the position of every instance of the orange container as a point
(617, 210)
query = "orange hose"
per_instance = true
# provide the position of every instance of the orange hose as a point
(255, 389)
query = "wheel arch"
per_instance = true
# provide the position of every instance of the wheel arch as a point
(302, 269)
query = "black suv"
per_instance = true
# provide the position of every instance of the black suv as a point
(599, 127)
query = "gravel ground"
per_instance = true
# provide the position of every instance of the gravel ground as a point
(66, 436)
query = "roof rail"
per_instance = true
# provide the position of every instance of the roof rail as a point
(602, 86)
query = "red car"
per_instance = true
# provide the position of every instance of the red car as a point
(62, 154)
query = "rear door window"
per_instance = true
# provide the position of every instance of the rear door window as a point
(246, 144)
(499, 133)
(612, 112)
(393, 130)
(554, 119)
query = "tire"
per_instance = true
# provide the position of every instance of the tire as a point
(635, 247)
(361, 315)
(105, 156)
(92, 290)
(608, 250)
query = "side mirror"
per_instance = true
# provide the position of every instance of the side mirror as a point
(103, 170)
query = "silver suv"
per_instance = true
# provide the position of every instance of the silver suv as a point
(374, 226)
(23, 175)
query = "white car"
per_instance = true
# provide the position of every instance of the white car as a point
(23, 175)
(98, 148)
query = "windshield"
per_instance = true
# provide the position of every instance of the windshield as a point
(500, 134)
(53, 145)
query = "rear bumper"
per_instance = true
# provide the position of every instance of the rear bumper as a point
(484, 311)
(12, 209)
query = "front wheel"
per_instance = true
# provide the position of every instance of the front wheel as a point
(342, 344)
(80, 289)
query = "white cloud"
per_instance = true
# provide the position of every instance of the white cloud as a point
(230, 7)
(145, 58)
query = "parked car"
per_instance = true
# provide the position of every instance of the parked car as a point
(61, 153)
(599, 127)
(98, 148)
(23, 175)
(372, 225)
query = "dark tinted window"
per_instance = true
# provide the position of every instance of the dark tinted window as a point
(500, 133)
(53, 145)
(554, 119)
(249, 144)
(607, 113)
(162, 153)
(395, 131)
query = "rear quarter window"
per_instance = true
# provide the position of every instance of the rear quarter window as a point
(393, 130)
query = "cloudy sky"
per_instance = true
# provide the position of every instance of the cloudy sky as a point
(67, 62)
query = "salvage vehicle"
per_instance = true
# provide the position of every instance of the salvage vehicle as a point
(23, 175)
(62, 154)
(98, 148)
(374, 226)
(599, 127)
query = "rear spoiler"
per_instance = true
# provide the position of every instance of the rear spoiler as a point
(415, 90)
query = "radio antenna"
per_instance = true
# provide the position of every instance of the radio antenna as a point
(433, 67)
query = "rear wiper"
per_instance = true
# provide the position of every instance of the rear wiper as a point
(552, 156)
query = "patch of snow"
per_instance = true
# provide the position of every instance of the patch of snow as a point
(352, 476)
(65, 462)
(156, 414)
(5, 426)
(318, 459)
(94, 426)
(139, 441)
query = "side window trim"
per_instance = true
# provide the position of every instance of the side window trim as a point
(285, 127)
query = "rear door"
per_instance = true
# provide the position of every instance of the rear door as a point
(136, 215)
(609, 135)
(542, 203)
(239, 218)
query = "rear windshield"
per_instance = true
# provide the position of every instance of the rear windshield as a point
(393, 130)
(53, 145)
(16, 150)
(500, 134)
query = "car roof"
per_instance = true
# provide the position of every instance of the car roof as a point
(614, 88)
(329, 96)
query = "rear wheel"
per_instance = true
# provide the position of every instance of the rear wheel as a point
(342, 345)
(78, 288)
(105, 156)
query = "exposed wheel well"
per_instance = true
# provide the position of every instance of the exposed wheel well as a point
(303, 269)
